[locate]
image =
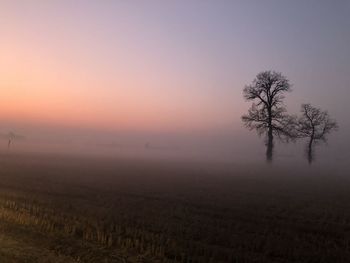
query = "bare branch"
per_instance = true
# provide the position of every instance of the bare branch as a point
(315, 124)
(268, 111)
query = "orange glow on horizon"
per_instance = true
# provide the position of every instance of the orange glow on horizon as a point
(59, 82)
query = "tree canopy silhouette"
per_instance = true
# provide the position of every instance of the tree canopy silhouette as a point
(315, 125)
(267, 114)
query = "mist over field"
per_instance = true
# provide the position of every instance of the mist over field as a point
(226, 146)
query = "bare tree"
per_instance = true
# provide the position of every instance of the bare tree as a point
(315, 125)
(267, 114)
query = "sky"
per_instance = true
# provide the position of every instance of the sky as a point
(166, 66)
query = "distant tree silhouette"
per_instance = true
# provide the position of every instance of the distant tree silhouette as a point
(11, 137)
(315, 125)
(267, 114)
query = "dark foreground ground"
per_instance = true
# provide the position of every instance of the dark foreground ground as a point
(70, 209)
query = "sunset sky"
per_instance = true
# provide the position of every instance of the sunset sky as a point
(166, 65)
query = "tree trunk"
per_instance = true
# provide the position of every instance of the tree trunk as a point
(269, 145)
(310, 153)
(269, 150)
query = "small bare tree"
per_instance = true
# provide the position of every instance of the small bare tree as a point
(315, 125)
(267, 114)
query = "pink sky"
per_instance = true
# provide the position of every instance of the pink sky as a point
(46, 81)
(181, 66)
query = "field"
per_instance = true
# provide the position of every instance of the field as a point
(60, 208)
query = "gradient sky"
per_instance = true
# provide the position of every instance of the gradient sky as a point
(166, 65)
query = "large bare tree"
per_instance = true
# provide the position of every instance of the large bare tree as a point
(314, 124)
(267, 114)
